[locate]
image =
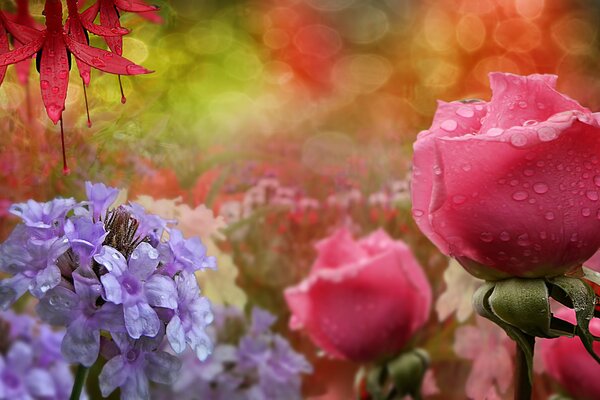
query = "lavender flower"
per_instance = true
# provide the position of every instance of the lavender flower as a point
(30, 367)
(114, 280)
(100, 198)
(135, 285)
(249, 362)
(137, 362)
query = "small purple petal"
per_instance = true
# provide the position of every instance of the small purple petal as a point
(162, 367)
(81, 343)
(160, 292)
(113, 375)
(176, 335)
(141, 320)
(112, 289)
(40, 384)
(143, 261)
(45, 280)
(101, 197)
(112, 260)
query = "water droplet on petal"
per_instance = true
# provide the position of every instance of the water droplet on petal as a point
(546, 133)
(504, 236)
(465, 112)
(597, 180)
(528, 172)
(449, 125)
(44, 84)
(540, 188)
(592, 195)
(494, 132)
(417, 213)
(486, 237)
(523, 104)
(549, 216)
(459, 199)
(586, 212)
(466, 167)
(530, 122)
(520, 195)
(518, 139)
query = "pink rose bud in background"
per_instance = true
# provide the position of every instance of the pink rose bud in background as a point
(567, 361)
(511, 187)
(364, 299)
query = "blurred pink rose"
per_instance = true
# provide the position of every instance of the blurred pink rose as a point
(363, 299)
(511, 187)
(567, 361)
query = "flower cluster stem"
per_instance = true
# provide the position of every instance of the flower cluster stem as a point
(79, 383)
(523, 385)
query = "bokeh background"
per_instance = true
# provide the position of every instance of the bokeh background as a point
(300, 113)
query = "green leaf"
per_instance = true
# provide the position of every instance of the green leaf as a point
(582, 297)
(407, 372)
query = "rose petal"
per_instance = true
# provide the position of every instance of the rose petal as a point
(447, 123)
(517, 99)
(525, 211)
(336, 250)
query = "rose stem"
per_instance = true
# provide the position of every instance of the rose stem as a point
(522, 381)
(79, 383)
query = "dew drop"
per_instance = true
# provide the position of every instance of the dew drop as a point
(528, 172)
(530, 122)
(465, 112)
(486, 237)
(449, 125)
(547, 133)
(518, 139)
(540, 188)
(597, 180)
(586, 212)
(494, 132)
(523, 240)
(466, 167)
(504, 236)
(522, 104)
(44, 84)
(520, 195)
(417, 213)
(459, 199)
(549, 216)
(592, 195)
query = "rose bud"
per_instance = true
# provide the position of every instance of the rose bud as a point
(363, 300)
(511, 188)
(567, 361)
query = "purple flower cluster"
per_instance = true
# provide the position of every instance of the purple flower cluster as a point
(119, 280)
(249, 362)
(31, 367)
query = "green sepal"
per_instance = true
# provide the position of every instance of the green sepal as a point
(523, 303)
(375, 380)
(582, 297)
(407, 373)
(523, 340)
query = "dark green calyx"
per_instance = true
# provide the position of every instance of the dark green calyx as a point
(522, 308)
(396, 378)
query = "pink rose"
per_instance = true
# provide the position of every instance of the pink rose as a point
(511, 187)
(363, 299)
(568, 362)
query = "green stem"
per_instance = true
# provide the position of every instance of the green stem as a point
(522, 374)
(79, 383)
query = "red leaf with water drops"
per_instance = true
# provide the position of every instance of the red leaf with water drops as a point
(135, 6)
(76, 31)
(54, 76)
(109, 18)
(87, 20)
(22, 53)
(3, 49)
(104, 60)
(21, 33)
